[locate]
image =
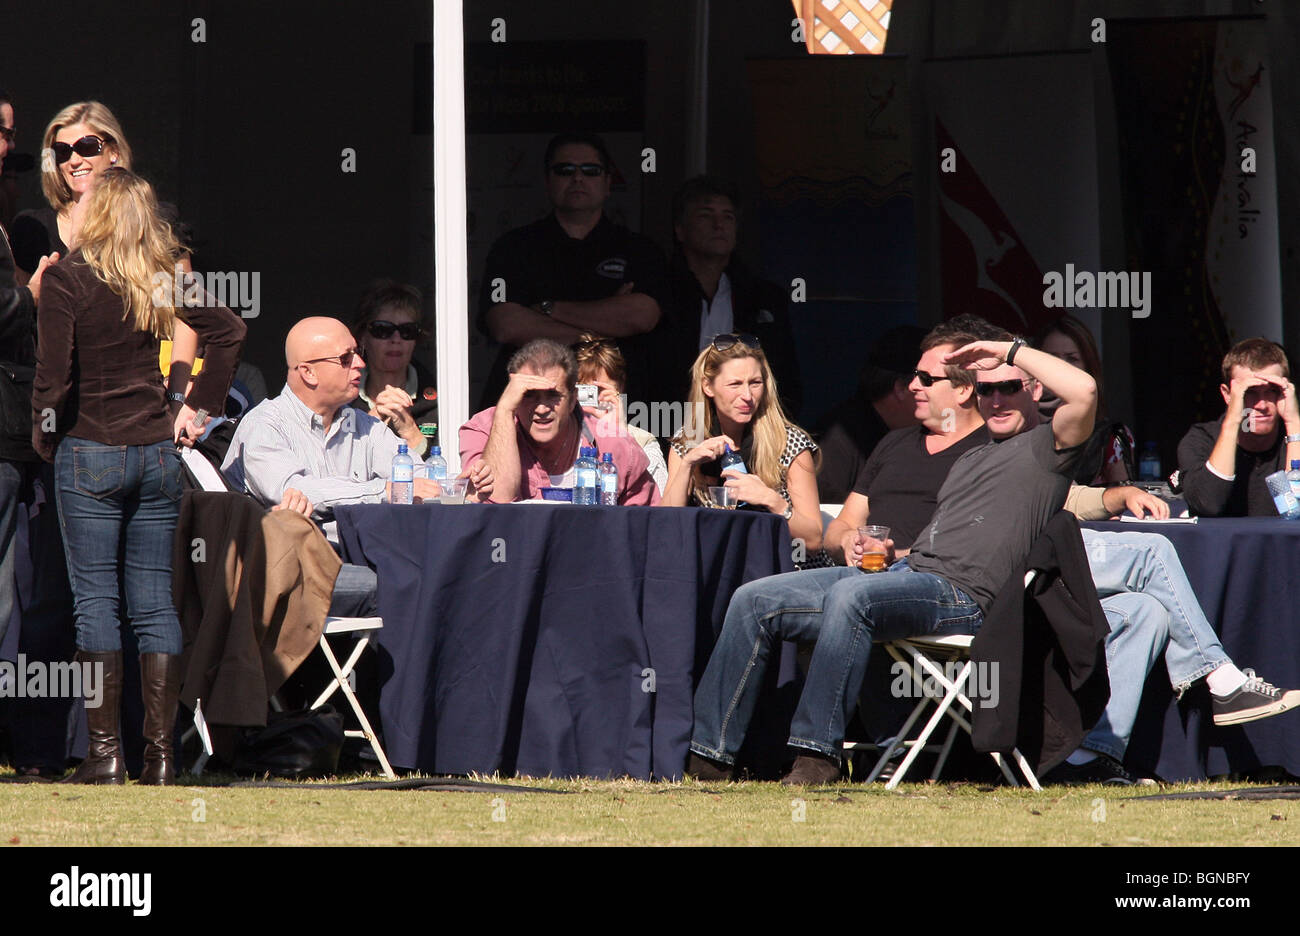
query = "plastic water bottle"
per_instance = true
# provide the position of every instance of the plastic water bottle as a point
(436, 465)
(1293, 478)
(731, 461)
(609, 481)
(1149, 466)
(403, 478)
(585, 481)
(1284, 498)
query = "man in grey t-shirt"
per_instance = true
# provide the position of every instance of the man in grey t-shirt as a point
(995, 503)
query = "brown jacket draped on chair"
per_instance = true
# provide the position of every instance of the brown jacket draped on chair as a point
(252, 588)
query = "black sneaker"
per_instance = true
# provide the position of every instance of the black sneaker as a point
(1254, 700)
(1101, 769)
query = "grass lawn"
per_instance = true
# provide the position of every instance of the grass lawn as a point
(636, 813)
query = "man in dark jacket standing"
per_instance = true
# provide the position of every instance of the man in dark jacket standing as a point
(714, 293)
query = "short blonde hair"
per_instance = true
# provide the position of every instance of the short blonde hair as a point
(102, 123)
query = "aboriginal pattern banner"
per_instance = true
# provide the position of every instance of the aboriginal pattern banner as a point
(1016, 166)
(1194, 117)
(833, 148)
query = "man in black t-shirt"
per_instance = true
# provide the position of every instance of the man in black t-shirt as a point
(573, 271)
(1222, 463)
(899, 484)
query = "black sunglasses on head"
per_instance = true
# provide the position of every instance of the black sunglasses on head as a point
(723, 342)
(409, 331)
(928, 380)
(568, 169)
(89, 145)
(1004, 387)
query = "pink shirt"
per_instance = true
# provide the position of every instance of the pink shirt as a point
(635, 486)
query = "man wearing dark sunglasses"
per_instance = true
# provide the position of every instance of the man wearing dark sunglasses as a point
(996, 501)
(713, 292)
(573, 271)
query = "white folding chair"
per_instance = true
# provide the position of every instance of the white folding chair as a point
(210, 479)
(361, 629)
(926, 654)
(829, 513)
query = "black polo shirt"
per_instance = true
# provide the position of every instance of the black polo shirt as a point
(540, 261)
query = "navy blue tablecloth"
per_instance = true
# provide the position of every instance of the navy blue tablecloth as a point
(1246, 574)
(525, 638)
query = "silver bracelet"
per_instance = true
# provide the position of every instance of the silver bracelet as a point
(1293, 438)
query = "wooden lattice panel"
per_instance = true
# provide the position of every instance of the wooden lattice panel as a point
(844, 27)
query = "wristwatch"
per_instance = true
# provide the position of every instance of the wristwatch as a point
(546, 307)
(1293, 438)
(1015, 346)
(176, 397)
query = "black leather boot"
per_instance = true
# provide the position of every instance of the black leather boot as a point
(160, 684)
(103, 763)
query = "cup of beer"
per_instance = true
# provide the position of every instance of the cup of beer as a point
(873, 558)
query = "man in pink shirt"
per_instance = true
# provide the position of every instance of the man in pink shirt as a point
(530, 439)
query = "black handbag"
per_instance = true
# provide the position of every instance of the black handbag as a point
(302, 743)
(16, 412)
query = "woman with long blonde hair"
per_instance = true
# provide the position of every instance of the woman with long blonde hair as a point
(100, 415)
(733, 403)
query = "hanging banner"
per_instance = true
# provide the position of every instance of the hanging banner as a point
(1194, 117)
(1017, 186)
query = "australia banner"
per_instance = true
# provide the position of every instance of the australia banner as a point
(1193, 113)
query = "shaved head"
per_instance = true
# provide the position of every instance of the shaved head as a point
(306, 339)
(316, 375)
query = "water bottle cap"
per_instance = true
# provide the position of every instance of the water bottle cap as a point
(436, 450)
(608, 458)
(588, 451)
(1295, 464)
(401, 448)
(429, 430)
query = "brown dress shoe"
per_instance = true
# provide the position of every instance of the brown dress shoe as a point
(160, 684)
(103, 763)
(812, 770)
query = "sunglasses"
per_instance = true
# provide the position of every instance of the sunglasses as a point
(927, 380)
(409, 331)
(596, 343)
(343, 360)
(8, 133)
(89, 145)
(723, 342)
(568, 169)
(1004, 387)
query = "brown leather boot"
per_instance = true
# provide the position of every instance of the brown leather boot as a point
(103, 763)
(160, 684)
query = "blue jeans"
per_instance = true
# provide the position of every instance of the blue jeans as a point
(118, 506)
(843, 610)
(1152, 610)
